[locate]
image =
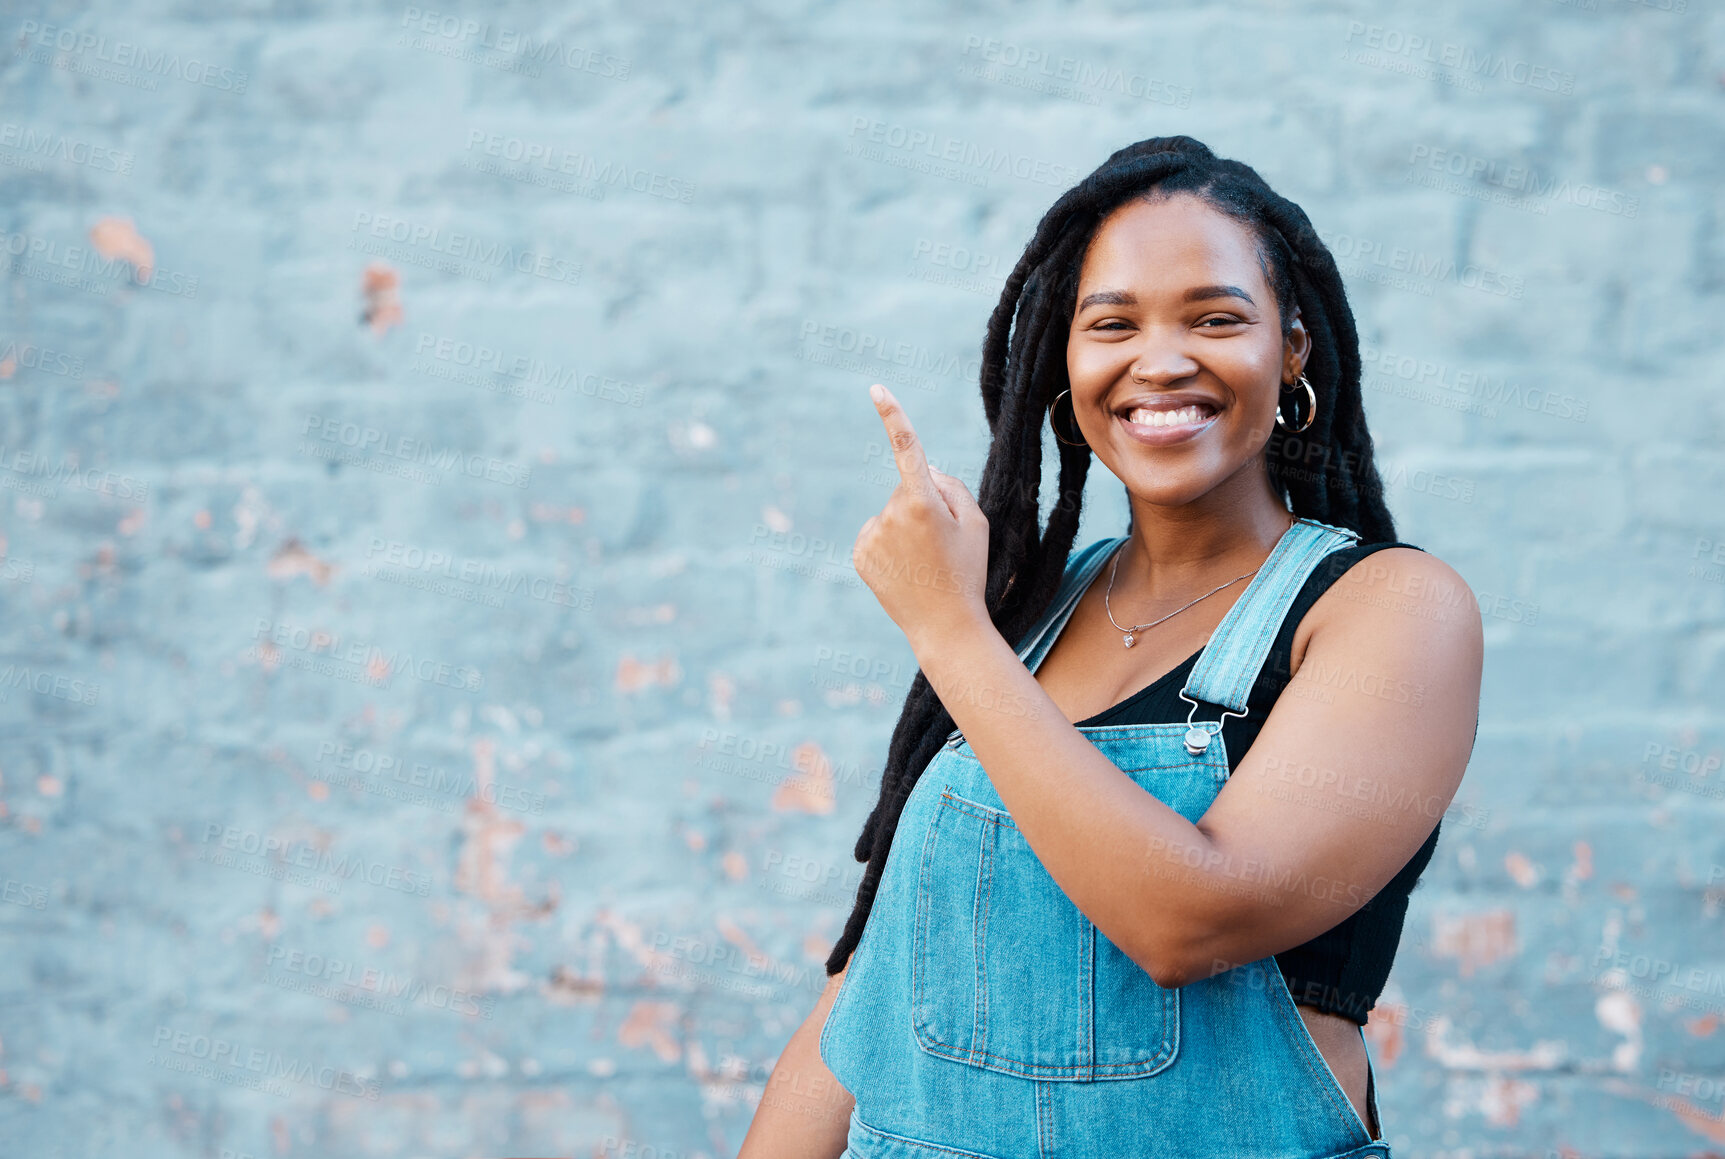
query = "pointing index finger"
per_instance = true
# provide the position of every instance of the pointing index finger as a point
(907, 450)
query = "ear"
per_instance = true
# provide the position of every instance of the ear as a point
(1296, 349)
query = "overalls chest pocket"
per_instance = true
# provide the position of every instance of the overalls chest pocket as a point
(1007, 973)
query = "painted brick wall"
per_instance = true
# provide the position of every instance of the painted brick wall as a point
(437, 703)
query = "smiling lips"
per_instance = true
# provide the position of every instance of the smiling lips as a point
(1185, 416)
(1162, 425)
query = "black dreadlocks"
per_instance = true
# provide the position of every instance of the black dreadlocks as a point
(1325, 472)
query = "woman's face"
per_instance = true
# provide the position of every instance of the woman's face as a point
(1175, 355)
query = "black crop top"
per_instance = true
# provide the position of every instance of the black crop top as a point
(1342, 970)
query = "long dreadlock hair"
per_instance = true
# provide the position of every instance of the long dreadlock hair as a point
(1325, 472)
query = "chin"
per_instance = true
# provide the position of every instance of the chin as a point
(1158, 488)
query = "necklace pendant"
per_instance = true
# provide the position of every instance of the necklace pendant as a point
(1127, 639)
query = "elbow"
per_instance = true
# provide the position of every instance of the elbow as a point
(1173, 974)
(1168, 963)
(1180, 945)
(1179, 954)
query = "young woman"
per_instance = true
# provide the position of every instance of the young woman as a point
(1152, 810)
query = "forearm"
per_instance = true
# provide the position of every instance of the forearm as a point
(1255, 876)
(1093, 828)
(804, 1113)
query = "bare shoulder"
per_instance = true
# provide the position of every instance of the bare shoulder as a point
(1403, 603)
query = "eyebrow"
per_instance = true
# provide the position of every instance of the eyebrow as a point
(1195, 294)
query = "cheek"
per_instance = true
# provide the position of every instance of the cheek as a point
(1075, 360)
(1251, 367)
(1087, 363)
(1254, 377)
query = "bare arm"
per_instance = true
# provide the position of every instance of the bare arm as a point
(1345, 782)
(804, 1112)
(1353, 767)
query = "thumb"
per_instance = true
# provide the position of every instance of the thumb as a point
(957, 495)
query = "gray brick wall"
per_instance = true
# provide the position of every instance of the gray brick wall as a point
(437, 704)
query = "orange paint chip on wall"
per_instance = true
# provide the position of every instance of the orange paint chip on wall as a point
(633, 675)
(651, 1024)
(1474, 940)
(117, 237)
(293, 558)
(810, 791)
(1383, 1030)
(381, 286)
(1519, 867)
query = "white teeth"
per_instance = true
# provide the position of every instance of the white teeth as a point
(1186, 415)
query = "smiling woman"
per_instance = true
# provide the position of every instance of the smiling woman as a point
(1093, 902)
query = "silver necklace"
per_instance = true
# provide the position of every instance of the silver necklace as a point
(1128, 638)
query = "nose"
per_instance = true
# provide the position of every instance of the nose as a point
(1161, 365)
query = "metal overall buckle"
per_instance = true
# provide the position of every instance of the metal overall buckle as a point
(1198, 733)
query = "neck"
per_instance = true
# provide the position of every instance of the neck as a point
(1175, 552)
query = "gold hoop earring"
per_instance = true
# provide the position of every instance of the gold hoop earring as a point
(1055, 426)
(1311, 405)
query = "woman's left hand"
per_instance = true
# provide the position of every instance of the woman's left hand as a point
(925, 556)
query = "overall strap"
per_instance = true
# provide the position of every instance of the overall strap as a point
(1237, 649)
(1230, 662)
(1080, 570)
(1040, 636)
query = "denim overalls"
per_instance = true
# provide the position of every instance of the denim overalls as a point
(983, 1014)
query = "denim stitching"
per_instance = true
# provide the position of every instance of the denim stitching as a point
(920, 933)
(1225, 675)
(1248, 634)
(1294, 556)
(929, 1039)
(1066, 599)
(920, 1142)
(979, 923)
(1087, 990)
(1044, 1121)
(1095, 732)
(1014, 1066)
(1317, 1069)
